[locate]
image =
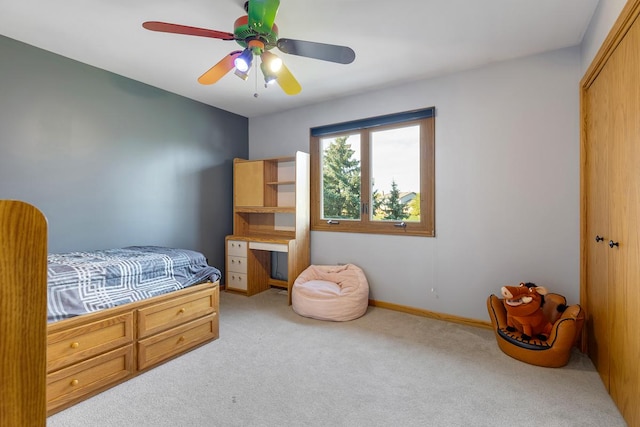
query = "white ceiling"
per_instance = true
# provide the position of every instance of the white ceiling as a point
(395, 41)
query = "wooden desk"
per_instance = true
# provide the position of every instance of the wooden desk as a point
(270, 214)
(248, 264)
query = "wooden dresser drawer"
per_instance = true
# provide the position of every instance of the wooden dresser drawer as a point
(237, 248)
(237, 264)
(160, 317)
(90, 376)
(160, 347)
(83, 342)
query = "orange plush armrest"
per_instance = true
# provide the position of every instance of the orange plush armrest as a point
(553, 352)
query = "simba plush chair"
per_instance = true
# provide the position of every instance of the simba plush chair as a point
(331, 292)
(552, 353)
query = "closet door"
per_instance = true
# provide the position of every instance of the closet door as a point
(624, 217)
(599, 130)
(611, 181)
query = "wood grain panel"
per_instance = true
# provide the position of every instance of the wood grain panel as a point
(70, 346)
(624, 260)
(160, 347)
(160, 317)
(23, 314)
(610, 207)
(77, 382)
(597, 223)
(248, 179)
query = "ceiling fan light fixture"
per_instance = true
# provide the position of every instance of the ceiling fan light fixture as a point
(275, 64)
(269, 76)
(243, 75)
(270, 65)
(243, 62)
(271, 61)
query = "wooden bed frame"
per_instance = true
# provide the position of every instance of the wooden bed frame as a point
(23, 314)
(68, 361)
(93, 352)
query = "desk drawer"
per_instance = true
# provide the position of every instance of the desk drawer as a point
(68, 384)
(160, 317)
(265, 246)
(237, 281)
(162, 346)
(237, 264)
(67, 347)
(236, 248)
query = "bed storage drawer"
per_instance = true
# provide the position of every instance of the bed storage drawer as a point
(91, 376)
(160, 317)
(82, 342)
(160, 347)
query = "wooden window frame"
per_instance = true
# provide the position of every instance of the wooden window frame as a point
(426, 226)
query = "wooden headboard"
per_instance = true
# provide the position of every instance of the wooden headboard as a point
(23, 314)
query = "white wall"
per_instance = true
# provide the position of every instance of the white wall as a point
(507, 184)
(603, 19)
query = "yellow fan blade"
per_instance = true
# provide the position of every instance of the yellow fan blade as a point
(218, 71)
(287, 82)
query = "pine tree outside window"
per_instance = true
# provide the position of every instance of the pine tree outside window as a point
(375, 175)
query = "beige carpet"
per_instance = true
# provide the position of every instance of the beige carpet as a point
(271, 367)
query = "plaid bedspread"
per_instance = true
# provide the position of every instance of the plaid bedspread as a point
(84, 282)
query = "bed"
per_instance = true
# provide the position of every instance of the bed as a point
(113, 314)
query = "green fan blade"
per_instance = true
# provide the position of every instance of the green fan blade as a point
(262, 14)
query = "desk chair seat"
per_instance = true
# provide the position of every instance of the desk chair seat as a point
(331, 292)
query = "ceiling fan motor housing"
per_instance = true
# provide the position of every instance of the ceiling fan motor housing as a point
(244, 34)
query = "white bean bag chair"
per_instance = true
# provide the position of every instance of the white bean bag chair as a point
(331, 292)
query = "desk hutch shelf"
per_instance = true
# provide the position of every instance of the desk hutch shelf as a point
(270, 214)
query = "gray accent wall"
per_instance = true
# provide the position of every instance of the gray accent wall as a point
(114, 162)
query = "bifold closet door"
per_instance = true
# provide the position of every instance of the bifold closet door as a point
(624, 217)
(597, 222)
(612, 189)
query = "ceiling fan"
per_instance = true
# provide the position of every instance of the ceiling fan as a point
(257, 34)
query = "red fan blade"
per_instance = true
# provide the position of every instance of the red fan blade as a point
(218, 71)
(165, 27)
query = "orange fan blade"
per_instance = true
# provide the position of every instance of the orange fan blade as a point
(218, 71)
(287, 82)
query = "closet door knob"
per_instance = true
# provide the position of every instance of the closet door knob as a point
(612, 244)
(599, 239)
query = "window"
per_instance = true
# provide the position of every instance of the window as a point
(375, 175)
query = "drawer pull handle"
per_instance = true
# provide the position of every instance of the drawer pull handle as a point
(181, 339)
(182, 310)
(74, 345)
(74, 383)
